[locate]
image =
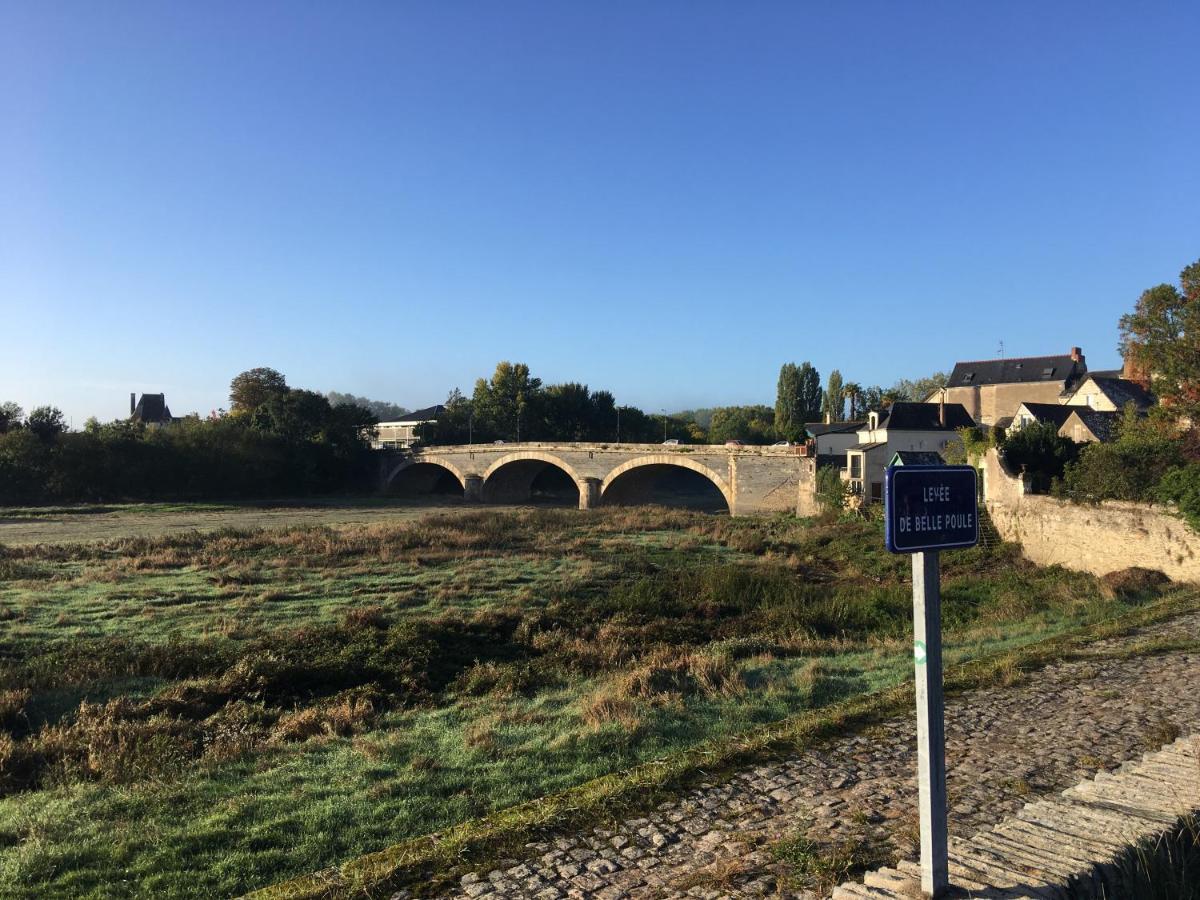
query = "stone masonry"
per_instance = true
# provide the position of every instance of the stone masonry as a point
(751, 479)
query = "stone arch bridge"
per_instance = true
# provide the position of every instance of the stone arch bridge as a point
(750, 480)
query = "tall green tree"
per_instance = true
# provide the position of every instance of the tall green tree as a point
(853, 391)
(503, 404)
(752, 424)
(810, 395)
(254, 387)
(789, 422)
(834, 404)
(10, 416)
(1162, 337)
(917, 390)
(46, 422)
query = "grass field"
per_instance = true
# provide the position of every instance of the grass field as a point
(24, 525)
(210, 713)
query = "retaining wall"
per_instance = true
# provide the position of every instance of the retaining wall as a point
(1099, 538)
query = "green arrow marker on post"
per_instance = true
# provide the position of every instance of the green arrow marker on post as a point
(919, 652)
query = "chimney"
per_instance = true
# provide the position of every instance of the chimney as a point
(132, 404)
(942, 409)
(827, 418)
(1076, 355)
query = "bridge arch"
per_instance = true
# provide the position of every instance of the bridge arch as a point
(426, 461)
(677, 460)
(516, 477)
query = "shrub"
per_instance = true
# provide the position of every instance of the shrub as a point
(1135, 584)
(832, 492)
(1181, 486)
(1040, 452)
(1128, 468)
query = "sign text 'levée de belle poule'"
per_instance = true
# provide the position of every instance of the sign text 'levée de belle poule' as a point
(930, 508)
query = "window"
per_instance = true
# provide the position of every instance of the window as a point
(970, 376)
(876, 490)
(856, 465)
(1048, 371)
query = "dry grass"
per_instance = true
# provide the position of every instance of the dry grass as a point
(342, 715)
(669, 674)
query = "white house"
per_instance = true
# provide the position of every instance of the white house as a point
(403, 433)
(902, 426)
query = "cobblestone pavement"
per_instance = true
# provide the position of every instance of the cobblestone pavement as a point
(1005, 746)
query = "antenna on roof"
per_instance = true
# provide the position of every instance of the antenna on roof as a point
(1001, 350)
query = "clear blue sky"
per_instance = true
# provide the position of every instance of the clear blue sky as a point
(667, 200)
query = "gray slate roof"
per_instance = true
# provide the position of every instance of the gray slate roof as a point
(152, 408)
(1122, 391)
(816, 428)
(1017, 371)
(918, 458)
(1102, 424)
(428, 414)
(904, 415)
(1051, 412)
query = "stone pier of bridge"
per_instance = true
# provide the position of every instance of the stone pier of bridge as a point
(751, 480)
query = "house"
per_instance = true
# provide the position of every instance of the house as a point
(151, 410)
(991, 390)
(1110, 392)
(902, 426)
(1086, 425)
(403, 433)
(1030, 413)
(831, 440)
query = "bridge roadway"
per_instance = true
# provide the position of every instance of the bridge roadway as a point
(752, 480)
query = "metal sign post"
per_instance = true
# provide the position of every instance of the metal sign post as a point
(931, 728)
(928, 509)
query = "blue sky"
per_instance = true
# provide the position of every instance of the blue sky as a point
(667, 200)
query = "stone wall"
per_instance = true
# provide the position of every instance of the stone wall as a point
(1098, 538)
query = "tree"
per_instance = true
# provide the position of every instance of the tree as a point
(294, 415)
(918, 390)
(502, 404)
(797, 400)
(810, 396)
(853, 391)
(1041, 453)
(834, 404)
(254, 387)
(567, 412)
(46, 422)
(1129, 467)
(871, 399)
(1162, 338)
(752, 424)
(10, 416)
(789, 424)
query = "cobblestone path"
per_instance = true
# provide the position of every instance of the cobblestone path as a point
(1005, 746)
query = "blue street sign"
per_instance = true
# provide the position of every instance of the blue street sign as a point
(930, 508)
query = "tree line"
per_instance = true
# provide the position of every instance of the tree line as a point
(274, 441)
(513, 405)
